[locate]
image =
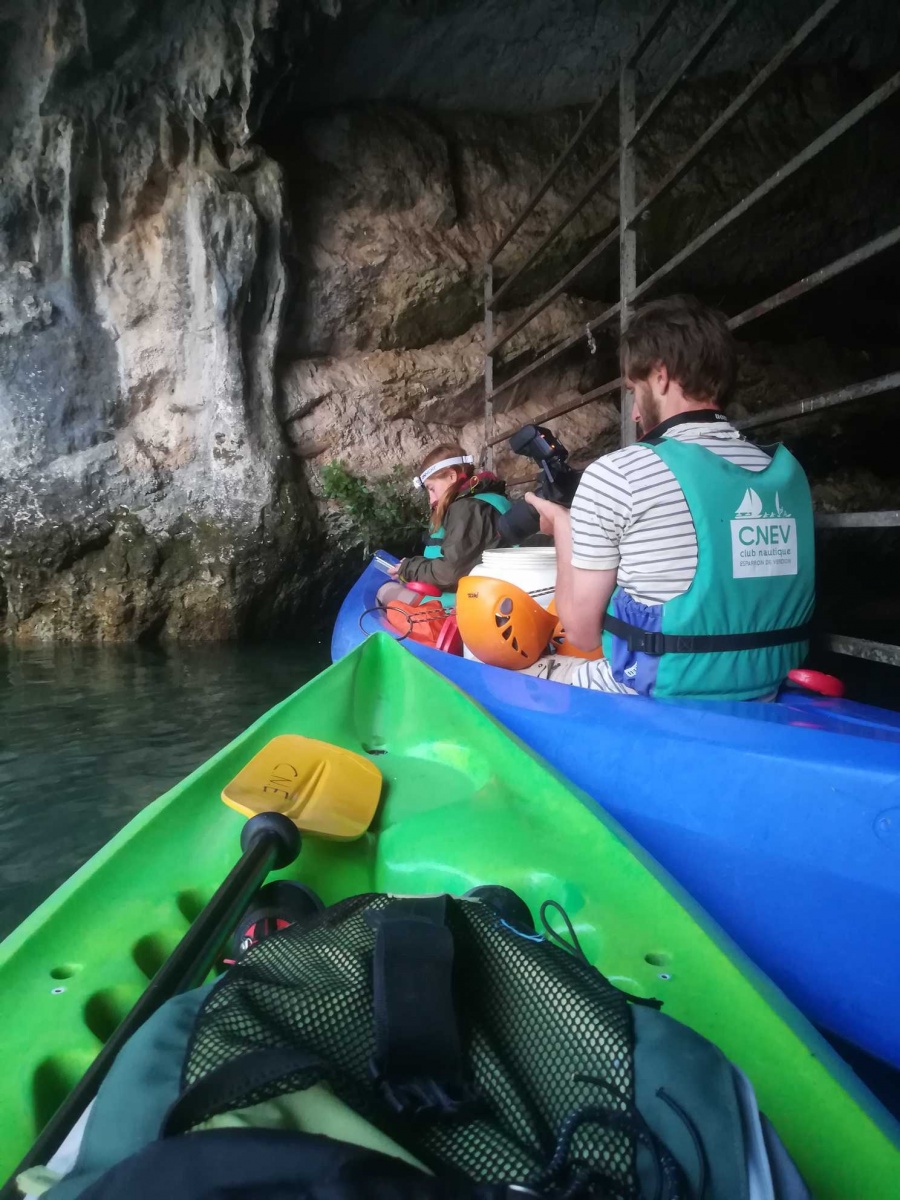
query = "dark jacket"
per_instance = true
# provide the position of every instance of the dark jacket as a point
(470, 528)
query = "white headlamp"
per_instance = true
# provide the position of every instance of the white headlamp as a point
(420, 480)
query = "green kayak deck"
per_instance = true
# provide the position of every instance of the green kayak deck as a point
(463, 803)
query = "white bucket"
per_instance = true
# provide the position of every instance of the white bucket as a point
(531, 568)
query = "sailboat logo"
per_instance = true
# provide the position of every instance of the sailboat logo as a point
(752, 506)
(763, 538)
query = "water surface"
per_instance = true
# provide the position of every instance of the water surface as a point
(89, 735)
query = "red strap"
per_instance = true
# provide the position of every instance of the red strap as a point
(449, 639)
(424, 589)
(817, 681)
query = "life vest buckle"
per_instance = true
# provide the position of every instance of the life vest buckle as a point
(647, 641)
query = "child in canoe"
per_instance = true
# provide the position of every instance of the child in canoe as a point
(466, 507)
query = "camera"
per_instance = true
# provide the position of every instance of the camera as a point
(558, 481)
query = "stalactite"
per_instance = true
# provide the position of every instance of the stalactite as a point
(63, 159)
(100, 190)
(165, 137)
(246, 27)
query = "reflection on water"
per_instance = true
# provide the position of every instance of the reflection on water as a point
(89, 735)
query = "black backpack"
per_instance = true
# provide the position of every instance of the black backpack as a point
(503, 1063)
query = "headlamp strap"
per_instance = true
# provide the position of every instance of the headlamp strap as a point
(420, 480)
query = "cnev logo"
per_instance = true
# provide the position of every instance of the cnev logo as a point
(763, 540)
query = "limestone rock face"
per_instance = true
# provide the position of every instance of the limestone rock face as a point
(394, 215)
(383, 349)
(145, 483)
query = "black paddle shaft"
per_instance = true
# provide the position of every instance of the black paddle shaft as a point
(269, 842)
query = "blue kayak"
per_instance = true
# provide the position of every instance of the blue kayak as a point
(782, 820)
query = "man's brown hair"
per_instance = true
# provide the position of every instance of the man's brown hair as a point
(692, 341)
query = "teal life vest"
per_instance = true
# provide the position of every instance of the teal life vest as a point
(434, 549)
(744, 621)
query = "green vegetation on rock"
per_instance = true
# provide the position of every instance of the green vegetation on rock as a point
(377, 512)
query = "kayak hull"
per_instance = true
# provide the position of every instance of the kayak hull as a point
(782, 820)
(463, 803)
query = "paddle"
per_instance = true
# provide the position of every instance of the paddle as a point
(323, 789)
(294, 783)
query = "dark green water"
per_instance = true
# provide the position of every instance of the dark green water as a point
(88, 736)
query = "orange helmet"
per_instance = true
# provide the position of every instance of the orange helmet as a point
(501, 624)
(561, 644)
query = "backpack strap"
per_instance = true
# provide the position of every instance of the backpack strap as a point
(418, 1061)
(228, 1086)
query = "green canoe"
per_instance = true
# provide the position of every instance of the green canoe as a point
(463, 804)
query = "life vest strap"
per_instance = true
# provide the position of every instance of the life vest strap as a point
(656, 643)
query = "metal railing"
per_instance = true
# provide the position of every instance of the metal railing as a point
(624, 231)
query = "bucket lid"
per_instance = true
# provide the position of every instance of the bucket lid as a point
(520, 556)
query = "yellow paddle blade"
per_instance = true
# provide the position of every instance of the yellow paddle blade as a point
(323, 789)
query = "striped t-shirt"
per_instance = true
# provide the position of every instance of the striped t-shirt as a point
(630, 513)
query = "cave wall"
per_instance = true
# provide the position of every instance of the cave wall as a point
(535, 56)
(383, 346)
(242, 239)
(144, 480)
